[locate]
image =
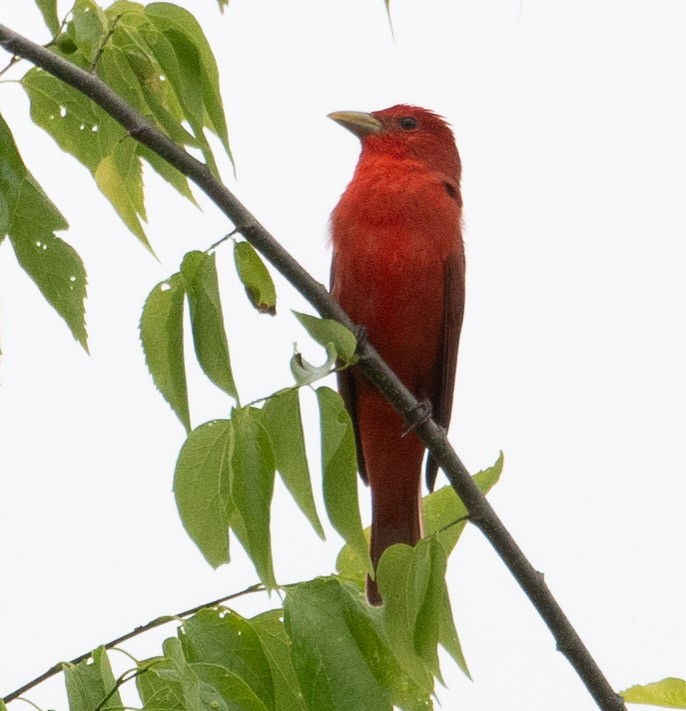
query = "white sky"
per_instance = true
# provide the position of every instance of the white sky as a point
(570, 120)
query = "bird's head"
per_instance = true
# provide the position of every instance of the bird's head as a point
(404, 132)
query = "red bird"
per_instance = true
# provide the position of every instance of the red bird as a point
(398, 270)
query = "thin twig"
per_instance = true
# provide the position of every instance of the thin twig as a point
(480, 511)
(157, 622)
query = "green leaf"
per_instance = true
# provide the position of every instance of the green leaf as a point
(283, 421)
(447, 633)
(119, 176)
(175, 668)
(252, 487)
(277, 646)
(62, 111)
(157, 693)
(410, 581)
(668, 693)
(442, 509)
(223, 690)
(31, 219)
(255, 277)
(225, 638)
(366, 624)
(444, 512)
(333, 673)
(202, 483)
(199, 274)
(89, 682)
(305, 373)
(339, 469)
(139, 61)
(48, 9)
(88, 27)
(161, 330)
(197, 80)
(326, 331)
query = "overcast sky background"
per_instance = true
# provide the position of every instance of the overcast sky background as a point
(570, 118)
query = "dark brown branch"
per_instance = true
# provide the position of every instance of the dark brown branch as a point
(480, 511)
(57, 668)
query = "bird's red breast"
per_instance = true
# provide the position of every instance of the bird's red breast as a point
(398, 270)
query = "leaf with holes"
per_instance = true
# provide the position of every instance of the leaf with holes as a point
(89, 682)
(31, 220)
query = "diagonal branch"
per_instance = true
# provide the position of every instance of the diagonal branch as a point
(157, 622)
(481, 513)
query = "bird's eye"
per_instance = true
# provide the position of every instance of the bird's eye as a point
(407, 123)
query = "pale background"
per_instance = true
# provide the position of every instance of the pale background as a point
(570, 118)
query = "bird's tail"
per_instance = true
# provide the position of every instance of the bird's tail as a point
(394, 520)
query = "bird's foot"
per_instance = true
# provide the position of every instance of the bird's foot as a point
(418, 415)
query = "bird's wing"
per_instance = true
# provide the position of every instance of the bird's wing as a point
(444, 383)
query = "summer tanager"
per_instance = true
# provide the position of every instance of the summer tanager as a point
(398, 271)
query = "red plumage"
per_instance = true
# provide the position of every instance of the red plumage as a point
(398, 270)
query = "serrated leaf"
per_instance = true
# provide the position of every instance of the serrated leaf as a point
(283, 421)
(252, 487)
(48, 9)
(89, 682)
(255, 277)
(122, 45)
(668, 693)
(202, 482)
(161, 330)
(225, 638)
(332, 671)
(339, 470)
(31, 219)
(199, 274)
(277, 646)
(197, 81)
(305, 373)
(327, 332)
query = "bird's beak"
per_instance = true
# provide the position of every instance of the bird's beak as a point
(359, 123)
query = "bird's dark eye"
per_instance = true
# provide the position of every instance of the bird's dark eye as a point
(407, 123)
